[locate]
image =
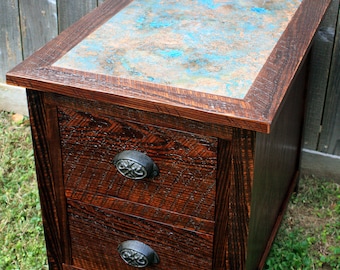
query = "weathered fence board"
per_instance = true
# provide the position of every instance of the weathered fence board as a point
(330, 134)
(322, 128)
(10, 40)
(71, 11)
(321, 55)
(25, 27)
(38, 24)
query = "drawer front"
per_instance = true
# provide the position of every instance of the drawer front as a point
(97, 232)
(186, 162)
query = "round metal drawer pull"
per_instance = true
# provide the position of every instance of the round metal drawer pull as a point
(135, 165)
(137, 254)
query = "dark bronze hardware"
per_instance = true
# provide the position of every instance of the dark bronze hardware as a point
(135, 165)
(137, 254)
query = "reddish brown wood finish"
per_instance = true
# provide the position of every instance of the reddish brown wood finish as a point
(71, 267)
(222, 185)
(94, 208)
(256, 112)
(234, 183)
(179, 203)
(187, 163)
(50, 180)
(96, 233)
(276, 166)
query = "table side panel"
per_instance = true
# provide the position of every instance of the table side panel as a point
(276, 165)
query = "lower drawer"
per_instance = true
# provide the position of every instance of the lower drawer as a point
(97, 232)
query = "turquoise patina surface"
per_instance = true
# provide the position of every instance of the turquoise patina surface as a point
(216, 47)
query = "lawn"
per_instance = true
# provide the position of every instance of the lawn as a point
(309, 237)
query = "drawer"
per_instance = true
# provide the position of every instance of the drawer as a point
(186, 162)
(97, 232)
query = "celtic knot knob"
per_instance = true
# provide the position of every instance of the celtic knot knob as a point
(135, 165)
(137, 254)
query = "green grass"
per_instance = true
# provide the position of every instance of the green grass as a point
(21, 233)
(308, 238)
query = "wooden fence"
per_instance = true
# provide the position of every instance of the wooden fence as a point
(27, 25)
(321, 142)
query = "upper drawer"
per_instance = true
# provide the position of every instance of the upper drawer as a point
(187, 163)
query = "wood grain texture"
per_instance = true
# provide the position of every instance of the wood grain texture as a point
(276, 164)
(105, 209)
(164, 120)
(96, 233)
(256, 112)
(279, 71)
(50, 180)
(222, 184)
(187, 162)
(71, 267)
(177, 220)
(234, 183)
